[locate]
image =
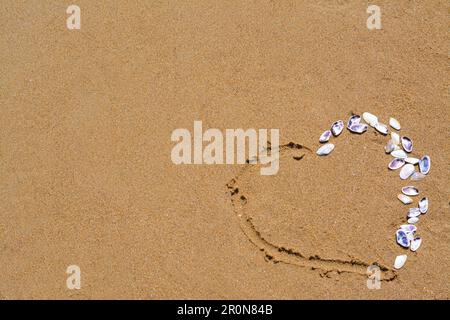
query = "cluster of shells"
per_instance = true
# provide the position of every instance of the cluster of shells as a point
(400, 148)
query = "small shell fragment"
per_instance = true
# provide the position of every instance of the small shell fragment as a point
(396, 164)
(423, 205)
(394, 123)
(416, 176)
(425, 164)
(325, 149)
(371, 119)
(410, 191)
(395, 138)
(413, 212)
(407, 144)
(399, 154)
(324, 137)
(404, 199)
(337, 127)
(415, 244)
(400, 261)
(381, 128)
(412, 160)
(402, 238)
(413, 220)
(406, 171)
(355, 119)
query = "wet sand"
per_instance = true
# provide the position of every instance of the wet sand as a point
(86, 176)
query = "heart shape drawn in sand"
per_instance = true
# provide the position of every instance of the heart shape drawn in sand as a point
(328, 216)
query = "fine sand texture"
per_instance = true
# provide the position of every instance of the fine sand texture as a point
(86, 176)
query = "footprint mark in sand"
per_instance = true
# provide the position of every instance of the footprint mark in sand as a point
(275, 253)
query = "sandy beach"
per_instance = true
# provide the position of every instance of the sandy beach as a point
(86, 176)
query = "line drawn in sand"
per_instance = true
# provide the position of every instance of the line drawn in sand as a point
(275, 253)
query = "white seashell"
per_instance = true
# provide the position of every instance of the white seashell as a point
(400, 261)
(396, 164)
(410, 191)
(407, 144)
(382, 128)
(404, 199)
(389, 147)
(416, 176)
(406, 171)
(337, 127)
(395, 138)
(413, 220)
(355, 119)
(423, 205)
(399, 154)
(394, 124)
(325, 149)
(412, 160)
(371, 119)
(415, 244)
(425, 164)
(324, 137)
(358, 128)
(413, 212)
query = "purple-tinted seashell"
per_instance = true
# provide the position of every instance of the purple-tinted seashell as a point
(337, 127)
(324, 137)
(402, 239)
(355, 119)
(425, 164)
(358, 128)
(396, 164)
(423, 205)
(407, 144)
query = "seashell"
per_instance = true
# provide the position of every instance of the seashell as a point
(337, 127)
(395, 138)
(389, 147)
(402, 238)
(423, 205)
(355, 119)
(371, 119)
(412, 160)
(408, 228)
(325, 149)
(399, 154)
(425, 164)
(382, 128)
(358, 128)
(413, 212)
(406, 171)
(413, 220)
(324, 137)
(410, 191)
(394, 123)
(416, 176)
(400, 261)
(407, 144)
(396, 164)
(404, 199)
(415, 244)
